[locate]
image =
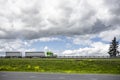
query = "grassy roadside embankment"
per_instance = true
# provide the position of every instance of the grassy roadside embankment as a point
(106, 66)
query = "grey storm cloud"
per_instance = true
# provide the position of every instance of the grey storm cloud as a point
(115, 9)
(43, 18)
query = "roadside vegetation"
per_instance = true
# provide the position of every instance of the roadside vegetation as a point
(109, 66)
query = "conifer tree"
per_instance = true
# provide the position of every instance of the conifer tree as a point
(113, 49)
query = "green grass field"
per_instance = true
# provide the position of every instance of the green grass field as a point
(109, 66)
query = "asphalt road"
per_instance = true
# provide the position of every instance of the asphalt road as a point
(51, 76)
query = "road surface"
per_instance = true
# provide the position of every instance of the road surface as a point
(52, 76)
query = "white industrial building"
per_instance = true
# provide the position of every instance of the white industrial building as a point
(35, 54)
(16, 54)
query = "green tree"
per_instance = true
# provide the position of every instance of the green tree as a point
(113, 48)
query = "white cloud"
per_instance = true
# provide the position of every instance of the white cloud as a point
(37, 18)
(45, 48)
(110, 34)
(96, 49)
(15, 45)
(45, 39)
(83, 40)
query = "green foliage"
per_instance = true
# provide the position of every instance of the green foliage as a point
(113, 48)
(62, 65)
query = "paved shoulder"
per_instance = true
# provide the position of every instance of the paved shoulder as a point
(49, 76)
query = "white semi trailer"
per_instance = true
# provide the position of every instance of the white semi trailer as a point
(11, 54)
(34, 54)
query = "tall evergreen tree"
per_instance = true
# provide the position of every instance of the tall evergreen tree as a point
(113, 48)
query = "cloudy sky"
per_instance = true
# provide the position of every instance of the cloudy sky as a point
(66, 27)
